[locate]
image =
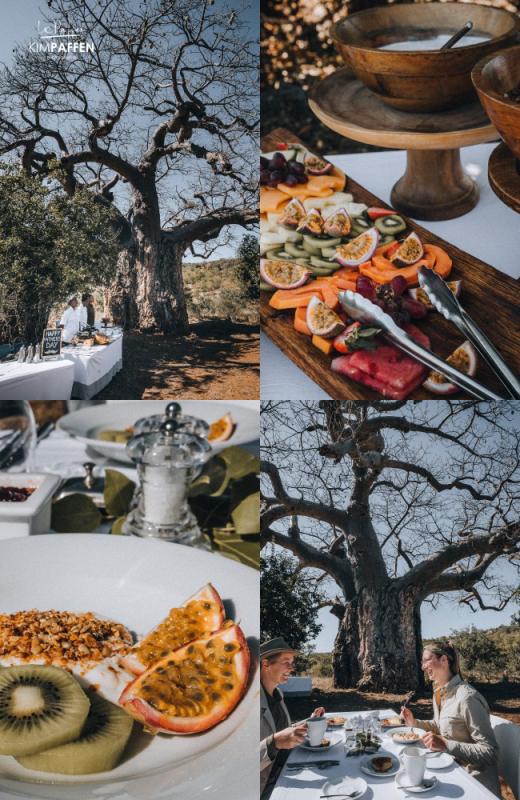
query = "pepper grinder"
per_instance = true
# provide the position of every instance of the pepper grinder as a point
(173, 411)
(168, 461)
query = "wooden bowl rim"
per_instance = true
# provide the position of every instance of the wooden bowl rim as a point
(480, 84)
(515, 28)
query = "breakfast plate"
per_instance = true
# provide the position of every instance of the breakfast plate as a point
(366, 765)
(86, 423)
(135, 582)
(332, 738)
(405, 736)
(388, 725)
(428, 783)
(336, 786)
(336, 722)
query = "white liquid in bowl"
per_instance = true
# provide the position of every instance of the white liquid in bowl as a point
(435, 43)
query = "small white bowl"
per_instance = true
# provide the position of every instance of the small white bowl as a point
(30, 516)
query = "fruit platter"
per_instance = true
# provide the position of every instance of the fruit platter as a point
(322, 234)
(108, 687)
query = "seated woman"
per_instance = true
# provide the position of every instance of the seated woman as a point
(460, 724)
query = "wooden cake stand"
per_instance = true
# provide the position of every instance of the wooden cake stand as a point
(503, 176)
(434, 186)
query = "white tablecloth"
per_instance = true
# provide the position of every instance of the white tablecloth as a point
(47, 380)
(94, 367)
(377, 172)
(453, 782)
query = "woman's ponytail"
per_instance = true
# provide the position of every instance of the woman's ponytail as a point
(449, 650)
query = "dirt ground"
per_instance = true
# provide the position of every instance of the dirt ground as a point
(217, 360)
(503, 699)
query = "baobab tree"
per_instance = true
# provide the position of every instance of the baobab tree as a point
(397, 504)
(156, 107)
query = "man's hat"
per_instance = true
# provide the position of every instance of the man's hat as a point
(274, 646)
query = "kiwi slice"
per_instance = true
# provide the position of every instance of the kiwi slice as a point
(40, 707)
(98, 748)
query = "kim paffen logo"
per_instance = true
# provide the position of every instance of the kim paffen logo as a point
(55, 37)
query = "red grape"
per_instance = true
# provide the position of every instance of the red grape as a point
(277, 162)
(416, 309)
(265, 176)
(291, 180)
(366, 287)
(399, 284)
(295, 167)
(264, 162)
(302, 178)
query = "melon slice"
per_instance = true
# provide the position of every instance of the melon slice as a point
(201, 612)
(192, 688)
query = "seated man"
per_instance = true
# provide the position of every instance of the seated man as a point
(277, 734)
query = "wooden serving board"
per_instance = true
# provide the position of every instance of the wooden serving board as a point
(490, 297)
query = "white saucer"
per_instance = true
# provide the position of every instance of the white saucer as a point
(334, 738)
(366, 767)
(338, 785)
(441, 761)
(402, 779)
(405, 743)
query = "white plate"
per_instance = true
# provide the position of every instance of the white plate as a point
(405, 743)
(334, 738)
(338, 785)
(402, 780)
(86, 423)
(441, 761)
(336, 724)
(366, 767)
(136, 581)
(390, 727)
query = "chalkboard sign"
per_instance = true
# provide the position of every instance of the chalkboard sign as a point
(51, 343)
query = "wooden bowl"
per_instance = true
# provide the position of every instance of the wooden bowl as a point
(421, 80)
(493, 77)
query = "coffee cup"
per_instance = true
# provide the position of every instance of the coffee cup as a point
(316, 727)
(414, 762)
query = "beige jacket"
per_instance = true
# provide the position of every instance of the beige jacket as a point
(267, 728)
(463, 721)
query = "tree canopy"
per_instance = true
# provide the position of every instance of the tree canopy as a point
(51, 246)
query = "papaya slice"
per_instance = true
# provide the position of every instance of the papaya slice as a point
(201, 612)
(381, 270)
(283, 299)
(193, 688)
(271, 200)
(300, 321)
(325, 345)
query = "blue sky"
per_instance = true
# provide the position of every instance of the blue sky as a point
(20, 23)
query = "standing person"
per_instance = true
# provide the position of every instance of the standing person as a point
(91, 312)
(460, 724)
(277, 734)
(82, 311)
(69, 323)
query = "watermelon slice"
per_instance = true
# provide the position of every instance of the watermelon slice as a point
(387, 370)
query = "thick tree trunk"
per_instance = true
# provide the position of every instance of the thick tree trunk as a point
(148, 290)
(378, 645)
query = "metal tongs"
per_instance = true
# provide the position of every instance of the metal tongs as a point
(445, 301)
(359, 308)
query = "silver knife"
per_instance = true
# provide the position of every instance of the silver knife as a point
(447, 304)
(359, 308)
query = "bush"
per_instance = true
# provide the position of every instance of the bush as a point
(480, 654)
(248, 257)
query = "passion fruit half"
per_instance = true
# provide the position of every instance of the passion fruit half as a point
(338, 224)
(322, 320)
(409, 252)
(292, 214)
(192, 688)
(464, 359)
(421, 295)
(358, 250)
(311, 223)
(283, 274)
(316, 165)
(201, 612)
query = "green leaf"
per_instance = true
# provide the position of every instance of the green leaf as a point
(243, 549)
(117, 525)
(76, 513)
(245, 505)
(230, 464)
(118, 494)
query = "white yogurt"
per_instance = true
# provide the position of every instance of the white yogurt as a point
(435, 43)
